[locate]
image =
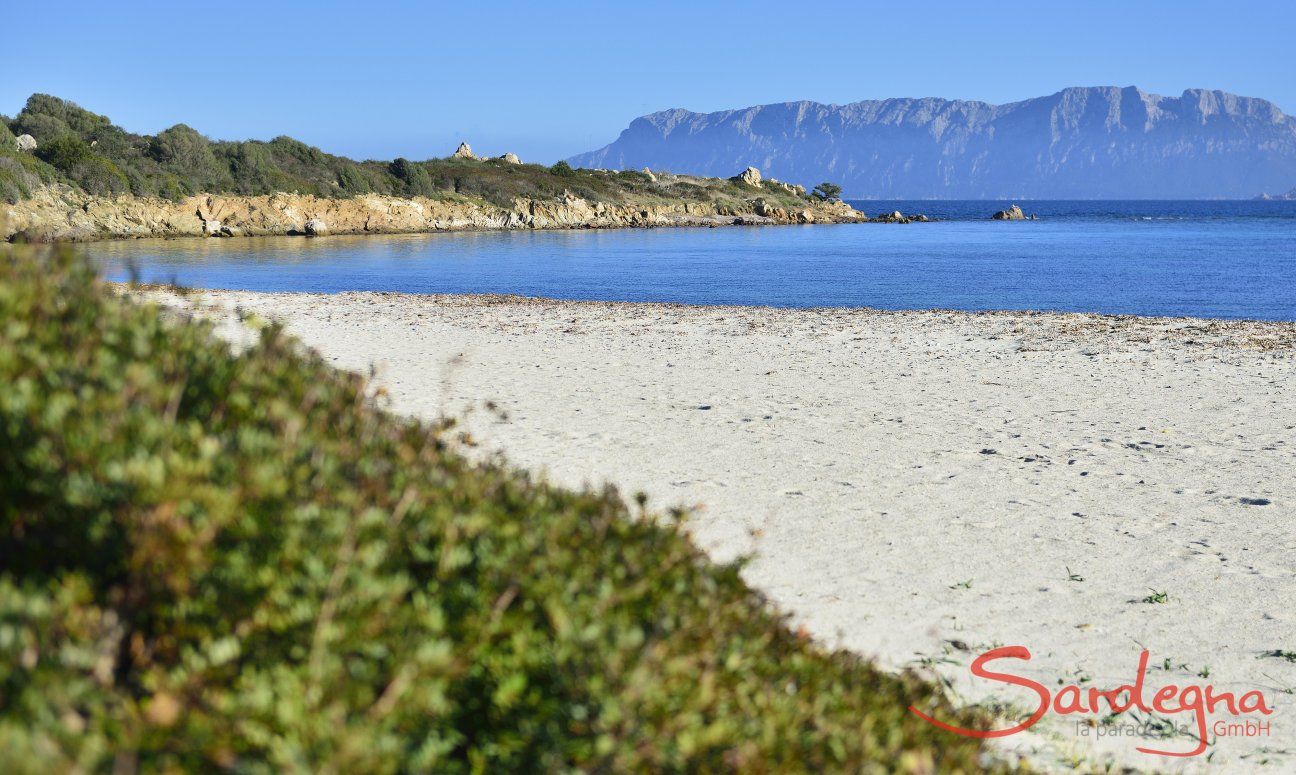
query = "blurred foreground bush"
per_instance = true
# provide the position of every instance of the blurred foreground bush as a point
(212, 560)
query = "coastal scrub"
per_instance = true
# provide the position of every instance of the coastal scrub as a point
(219, 559)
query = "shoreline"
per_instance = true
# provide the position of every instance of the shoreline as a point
(915, 486)
(1238, 332)
(60, 214)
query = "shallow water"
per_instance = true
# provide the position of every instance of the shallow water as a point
(1209, 259)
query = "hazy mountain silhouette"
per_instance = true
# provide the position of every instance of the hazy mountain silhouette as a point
(1093, 142)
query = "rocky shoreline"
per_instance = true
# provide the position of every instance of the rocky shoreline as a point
(60, 213)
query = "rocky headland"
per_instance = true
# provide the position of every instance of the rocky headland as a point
(69, 174)
(57, 213)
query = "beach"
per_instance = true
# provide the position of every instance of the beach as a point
(919, 487)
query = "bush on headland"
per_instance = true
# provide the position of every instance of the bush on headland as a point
(87, 151)
(232, 559)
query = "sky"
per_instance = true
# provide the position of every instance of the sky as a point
(547, 80)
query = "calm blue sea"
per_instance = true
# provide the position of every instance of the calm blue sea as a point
(1211, 259)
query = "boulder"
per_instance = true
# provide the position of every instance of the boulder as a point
(464, 151)
(510, 158)
(315, 227)
(751, 176)
(766, 210)
(26, 143)
(651, 177)
(1013, 213)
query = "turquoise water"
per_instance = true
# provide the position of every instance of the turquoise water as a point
(1210, 259)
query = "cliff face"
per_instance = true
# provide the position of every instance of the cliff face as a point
(1100, 142)
(61, 213)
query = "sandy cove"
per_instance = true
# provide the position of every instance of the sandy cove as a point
(916, 486)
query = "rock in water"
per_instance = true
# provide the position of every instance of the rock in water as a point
(464, 151)
(315, 228)
(26, 143)
(508, 158)
(751, 176)
(1013, 213)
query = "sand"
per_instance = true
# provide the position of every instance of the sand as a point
(916, 486)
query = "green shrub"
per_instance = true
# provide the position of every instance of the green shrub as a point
(15, 181)
(73, 157)
(64, 152)
(44, 128)
(232, 560)
(562, 169)
(188, 156)
(353, 181)
(414, 178)
(42, 108)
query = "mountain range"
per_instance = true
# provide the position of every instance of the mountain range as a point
(1080, 143)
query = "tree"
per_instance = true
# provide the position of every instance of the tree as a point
(414, 176)
(826, 192)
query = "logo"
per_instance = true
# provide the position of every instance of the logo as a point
(1201, 701)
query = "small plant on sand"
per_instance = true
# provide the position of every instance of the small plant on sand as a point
(1157, 597)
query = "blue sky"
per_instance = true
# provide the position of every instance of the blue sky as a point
(547, 80)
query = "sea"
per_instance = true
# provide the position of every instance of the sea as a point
(1218, 259)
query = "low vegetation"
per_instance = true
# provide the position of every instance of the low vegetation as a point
(217, 559)
(89, 152)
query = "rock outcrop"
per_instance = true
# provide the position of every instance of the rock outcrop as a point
(25, 143)
(464, 151)
(61, 213)
(1013, 213)
(510, 158)
(751, 176)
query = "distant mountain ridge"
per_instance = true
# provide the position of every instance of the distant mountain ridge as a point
(1080, 143)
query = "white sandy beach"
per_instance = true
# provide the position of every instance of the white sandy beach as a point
(915, 486)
